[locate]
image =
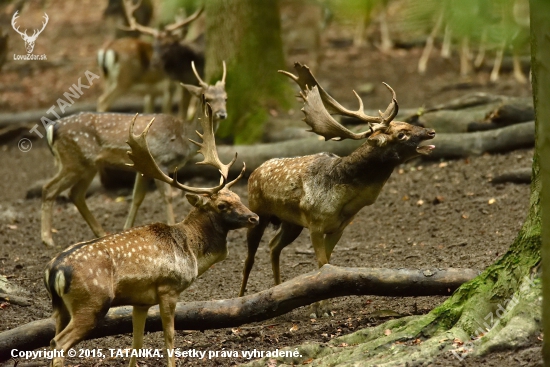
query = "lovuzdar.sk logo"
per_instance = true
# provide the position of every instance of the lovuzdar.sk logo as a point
(29, 40)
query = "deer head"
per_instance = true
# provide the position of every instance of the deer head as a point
(215, 95)
(29, 40)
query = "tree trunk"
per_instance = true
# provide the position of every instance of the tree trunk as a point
(328, 282)
(540, 61)
(246, 34)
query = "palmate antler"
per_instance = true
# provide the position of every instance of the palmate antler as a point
(146, 165)
(321, 105)
(202, 83)
(130, 7)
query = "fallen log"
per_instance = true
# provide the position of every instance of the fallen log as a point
(328, 282)
(446, 146)
(522, 175)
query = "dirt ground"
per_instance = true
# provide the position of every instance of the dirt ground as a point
(470, 225)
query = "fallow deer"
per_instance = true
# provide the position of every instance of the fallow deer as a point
(84, 143)
(323, 192)
(148, 68)
(147, 265)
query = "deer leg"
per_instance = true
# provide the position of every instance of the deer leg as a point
(331, 239)
(498, 63)
(140, 189)
(82, 322)
(253, 238)
(62, 181)
(149, 103)
(105, 100)
(167, 308)
(320, 309)
(78, 196)
(183, 103)
(166, 193)
(139, 316)
(465, 56)
(167, 95)
(284, 237)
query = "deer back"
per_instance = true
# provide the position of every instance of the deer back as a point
(100, 139)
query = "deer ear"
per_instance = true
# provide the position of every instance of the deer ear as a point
(193, 89)
(196, 200)
(378, 140)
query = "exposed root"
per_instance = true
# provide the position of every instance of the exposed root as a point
(416, 340)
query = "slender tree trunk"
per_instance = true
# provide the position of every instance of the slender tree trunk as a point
(540, 63)
(246, 35)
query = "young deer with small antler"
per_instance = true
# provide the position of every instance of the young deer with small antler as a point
(323, 192)
(147, 265)
(84, 143)
(149, 68)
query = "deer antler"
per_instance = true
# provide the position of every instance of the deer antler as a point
(334, 130)
(208, 147)
(15, 16)
(146, 165)
(129, 9)
(184, 22)
(201, 82)
(35, 33)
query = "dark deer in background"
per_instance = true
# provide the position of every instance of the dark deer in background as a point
(147, 265)
(323, 192)
(131, 64)
(84, 143)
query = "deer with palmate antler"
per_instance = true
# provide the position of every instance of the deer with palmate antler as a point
(84, 143)
(323, 192)
(133, 65)
(147, 265)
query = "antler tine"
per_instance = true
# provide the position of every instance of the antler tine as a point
(305, 80)
(146, 165)
(228, 186)
(224, 72)
(15, 16)
(129, 8)
(392, 109)
(177, 25)
(201, 82)
(208, 147)
(320, 120)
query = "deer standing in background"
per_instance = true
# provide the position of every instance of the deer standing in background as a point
(130, 64)
(147, 265)
(84, 143)
(323, 192)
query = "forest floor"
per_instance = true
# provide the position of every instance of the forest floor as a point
(430, 214)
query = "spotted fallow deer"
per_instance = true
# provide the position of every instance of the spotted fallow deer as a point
(149, 68)
(323, 192)
(147, 265)
(84, 143)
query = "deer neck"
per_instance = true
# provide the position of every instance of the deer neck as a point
(368, 163)
(206, 238)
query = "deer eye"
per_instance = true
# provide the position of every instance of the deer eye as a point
(401, 136)
(222, 206)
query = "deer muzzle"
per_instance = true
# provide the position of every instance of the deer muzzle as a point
(426, 149)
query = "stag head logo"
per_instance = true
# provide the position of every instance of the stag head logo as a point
(29, 40)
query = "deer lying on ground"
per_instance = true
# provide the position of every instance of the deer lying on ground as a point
(149, 68)
(323, 192)
(147, 265)
(84, 143)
